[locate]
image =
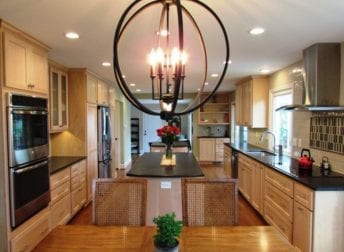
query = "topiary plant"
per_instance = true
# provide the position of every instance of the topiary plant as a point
(168, 230)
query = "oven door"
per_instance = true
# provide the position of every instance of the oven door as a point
(28, 135)
(29, 191)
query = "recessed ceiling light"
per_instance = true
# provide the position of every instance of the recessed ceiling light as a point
(297, 70)
(132, 84)
(206, 83)
(257, 31)
(72, 35)
(138, 90)
(106, 64)
(123, 76)
(214, 75)
(264, 71)
(163, 33)
(198, 89)
(229, 62)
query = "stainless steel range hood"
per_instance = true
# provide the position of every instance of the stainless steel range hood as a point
(321, 79)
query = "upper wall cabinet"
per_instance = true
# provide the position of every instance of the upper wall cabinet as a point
(251, 99)
(25, 64)
(58, 100)
(92, 83)
(103, 94)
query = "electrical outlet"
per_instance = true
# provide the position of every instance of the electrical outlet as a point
(294, 141)
(165, 185)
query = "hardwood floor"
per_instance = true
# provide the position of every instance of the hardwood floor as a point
(247, 215)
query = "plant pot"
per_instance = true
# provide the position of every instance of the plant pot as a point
(167, 249)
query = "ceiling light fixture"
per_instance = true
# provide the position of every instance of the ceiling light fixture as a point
(72, 35)
(264, 71)
(132, 84)
(214, 75)
(106, 64)
(257, 31)
(168, 62)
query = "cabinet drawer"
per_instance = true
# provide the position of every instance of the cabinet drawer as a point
(78, 198)
(75, 182)
(28, 239)
(273, 216)
(60, 213)
(304, 195)
(59, 178)
(282, 201)
(60, 192)
(74, 170)
(280, 181)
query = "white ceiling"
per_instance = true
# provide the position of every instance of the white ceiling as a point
(291, 26)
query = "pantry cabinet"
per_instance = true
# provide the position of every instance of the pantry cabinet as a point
(25, 64)
(58, 100)
(251, 98)
(102, 93)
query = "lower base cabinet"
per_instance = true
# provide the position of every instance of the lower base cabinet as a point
(302, 229)
(60, 213)
(31, 235)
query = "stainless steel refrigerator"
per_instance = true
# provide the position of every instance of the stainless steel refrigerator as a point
(104, 143)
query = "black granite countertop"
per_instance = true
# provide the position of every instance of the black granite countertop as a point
(58, 163)
(148, 165)
(316, 178)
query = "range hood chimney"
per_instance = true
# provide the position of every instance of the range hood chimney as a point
(321, 79)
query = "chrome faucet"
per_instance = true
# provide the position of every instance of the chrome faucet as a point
(274, 137)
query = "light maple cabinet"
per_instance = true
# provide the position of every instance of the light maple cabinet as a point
(278, 202)
(257, 186)
(29, 234)
(112, 98)
(211, 149)
(102, 93)
(58, 100)
(206, 149)
(251, 98)
(92, 87)
(78, 185)
(215, 111)
(25, 64)
(60, 205)
(92, 153)
(245, 176)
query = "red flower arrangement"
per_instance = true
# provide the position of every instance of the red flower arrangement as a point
(168, 133)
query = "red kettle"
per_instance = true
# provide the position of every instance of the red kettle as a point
(305, 161)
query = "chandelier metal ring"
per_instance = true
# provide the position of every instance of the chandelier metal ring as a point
(196, 103)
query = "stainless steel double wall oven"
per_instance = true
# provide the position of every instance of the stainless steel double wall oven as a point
(28, 152)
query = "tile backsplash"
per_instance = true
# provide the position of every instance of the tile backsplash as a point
(327, 133)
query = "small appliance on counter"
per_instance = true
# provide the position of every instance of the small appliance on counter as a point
(305, 161)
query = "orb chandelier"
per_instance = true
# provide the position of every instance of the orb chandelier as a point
(168, 65)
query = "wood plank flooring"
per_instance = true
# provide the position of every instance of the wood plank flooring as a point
(247, 215)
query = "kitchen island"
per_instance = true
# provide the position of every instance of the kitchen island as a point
(164, 189)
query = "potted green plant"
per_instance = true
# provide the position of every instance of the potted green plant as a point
(168, 230)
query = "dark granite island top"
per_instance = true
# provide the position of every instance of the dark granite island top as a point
(148, 165)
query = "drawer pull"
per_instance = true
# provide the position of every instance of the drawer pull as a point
(300, 209)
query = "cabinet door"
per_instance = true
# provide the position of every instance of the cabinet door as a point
(38, 70)
(112, 97)
(103, 93)
(247, 103)
(257, 188)
(239, 104)
(92, 83)
(16, 54)
(60, 213)
(92, 171)
(302, 229)
(206, 149)
(58, 100)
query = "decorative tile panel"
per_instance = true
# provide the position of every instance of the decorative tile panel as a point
(327, 132)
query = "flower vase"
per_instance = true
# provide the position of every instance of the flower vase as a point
(168, 153)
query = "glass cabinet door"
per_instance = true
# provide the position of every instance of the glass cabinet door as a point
(59, 100)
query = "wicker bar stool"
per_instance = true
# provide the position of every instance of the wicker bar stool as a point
(119, 202)
(210, 202)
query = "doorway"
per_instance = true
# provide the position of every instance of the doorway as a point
(150, 124)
